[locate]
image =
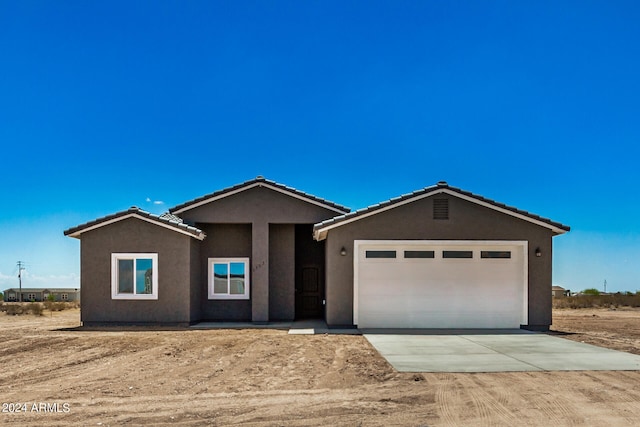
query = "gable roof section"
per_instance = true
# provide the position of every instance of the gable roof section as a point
(259, 181)
(321, 229)
(167, 221)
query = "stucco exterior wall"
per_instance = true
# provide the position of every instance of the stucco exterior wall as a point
(174, 274)
(258, 204)
(224, 241)
(281, 272)
(413, 221)
(194, 282)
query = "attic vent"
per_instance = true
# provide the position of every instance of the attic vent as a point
(440, 208)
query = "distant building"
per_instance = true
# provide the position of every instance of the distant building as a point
(559, 292)
(42, 294)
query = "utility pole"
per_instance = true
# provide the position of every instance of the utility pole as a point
(605, 286)
(20, 268)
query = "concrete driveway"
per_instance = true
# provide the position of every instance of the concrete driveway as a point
(496, 352)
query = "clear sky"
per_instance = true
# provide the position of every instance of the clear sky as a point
(105, 105)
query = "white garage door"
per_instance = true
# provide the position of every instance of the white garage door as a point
(440, 284)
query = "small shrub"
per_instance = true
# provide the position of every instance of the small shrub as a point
(591, 291)
(596, 301)
(51, 297)
(34, 308)
(14, 309)
(37, 308)
(58, 305)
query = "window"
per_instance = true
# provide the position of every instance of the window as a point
(64, 297)
(229, 278)
(380, 254)
(495, 254)
(457, 254)
(31, 297)
(419, 254)
(134, 276)
(440, 208)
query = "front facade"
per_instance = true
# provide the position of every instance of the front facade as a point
(261, 252)
(41, 294)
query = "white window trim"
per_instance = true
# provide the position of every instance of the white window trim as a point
(247, 282)
(114, 276)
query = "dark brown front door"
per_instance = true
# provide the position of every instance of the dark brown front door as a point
(309, 294)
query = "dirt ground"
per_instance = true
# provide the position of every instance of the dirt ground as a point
(63, 375)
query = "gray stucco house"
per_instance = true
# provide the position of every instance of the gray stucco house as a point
(260, 251)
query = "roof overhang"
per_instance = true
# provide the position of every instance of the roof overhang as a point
(320, 232)
(197, 234)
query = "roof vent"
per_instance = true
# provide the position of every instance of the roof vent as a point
(259, 177)
(442, 183)
(440, 208)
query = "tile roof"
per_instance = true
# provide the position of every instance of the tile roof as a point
(321, 228)
(171, 217)
(165, 220)
(257, 181)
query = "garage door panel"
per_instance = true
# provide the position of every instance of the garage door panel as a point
(441, 293)
(439, 319)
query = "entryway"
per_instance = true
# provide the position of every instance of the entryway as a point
(309, 282)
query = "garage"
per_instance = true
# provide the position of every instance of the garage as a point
(439, 258)
(440, 284)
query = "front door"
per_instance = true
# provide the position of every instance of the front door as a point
(309, 302)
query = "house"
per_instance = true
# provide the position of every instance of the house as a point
(41, 294)
(260, 251)
(559, 292)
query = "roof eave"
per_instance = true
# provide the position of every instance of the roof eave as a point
(78, 231)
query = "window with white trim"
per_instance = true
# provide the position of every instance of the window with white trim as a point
(64, 297)
(134, 276)
(228, 278)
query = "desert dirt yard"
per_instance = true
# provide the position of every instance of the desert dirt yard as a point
(54, 373)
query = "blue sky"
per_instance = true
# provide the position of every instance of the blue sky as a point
(105, 105)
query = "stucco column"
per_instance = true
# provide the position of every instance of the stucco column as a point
(260, 272)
